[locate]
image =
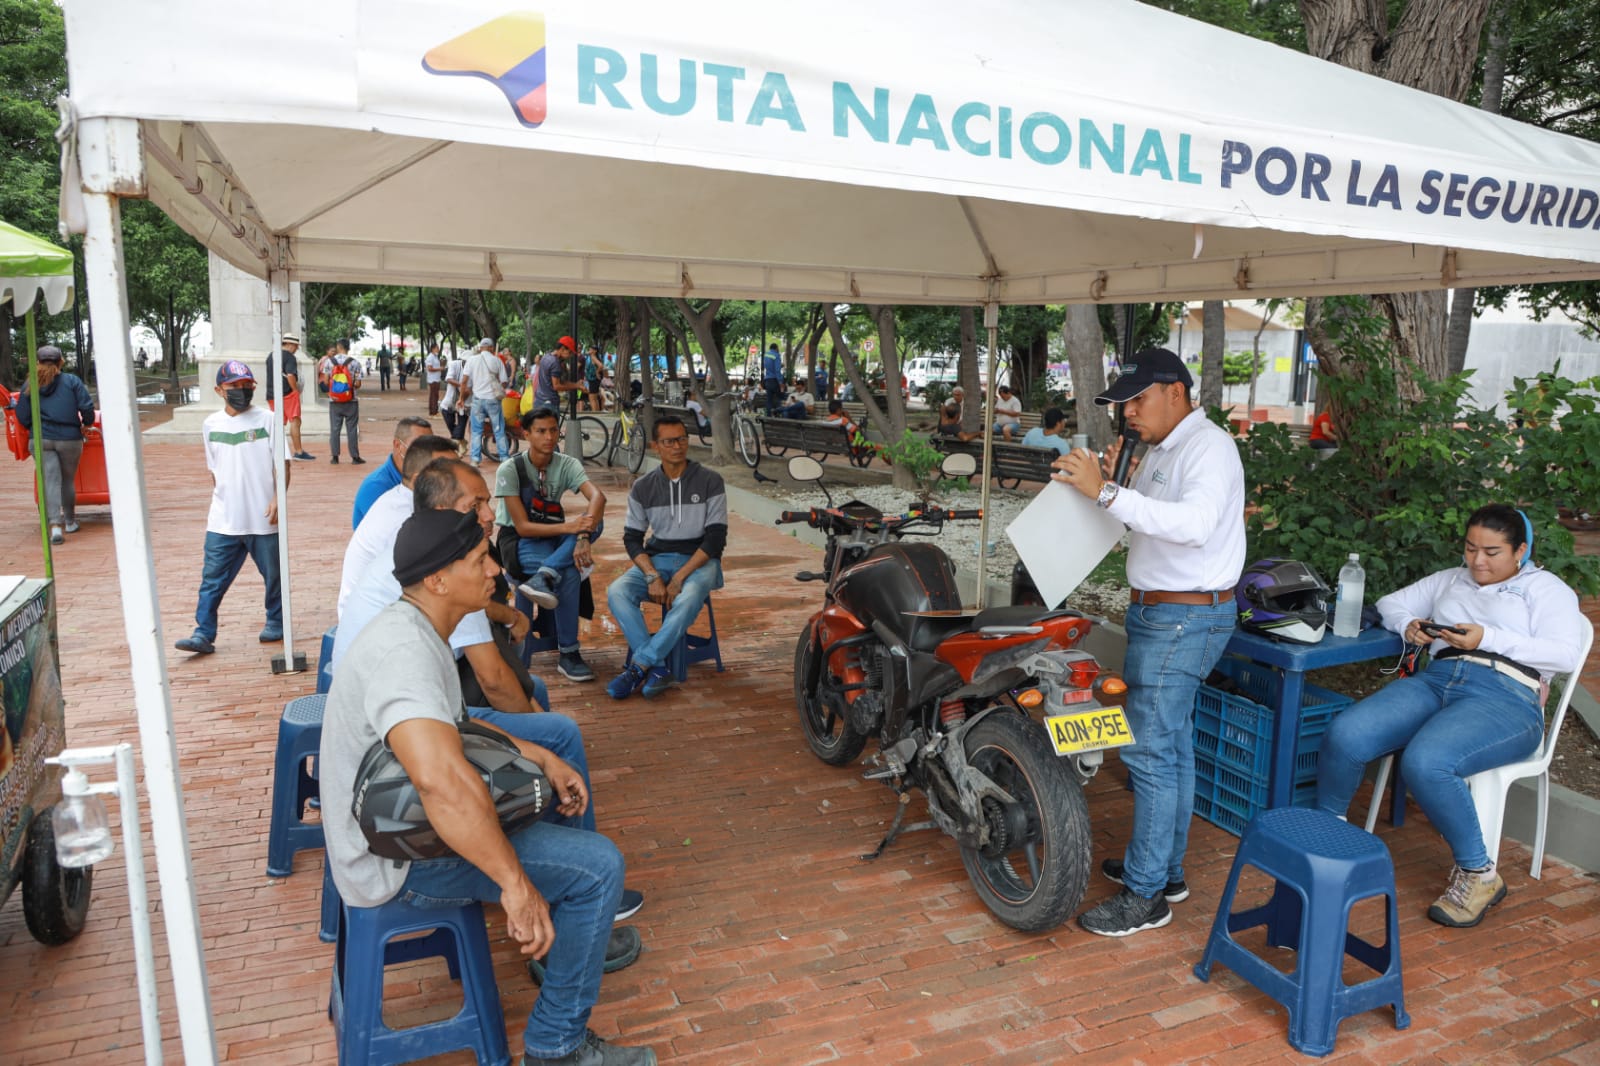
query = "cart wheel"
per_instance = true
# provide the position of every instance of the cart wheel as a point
(55, 900)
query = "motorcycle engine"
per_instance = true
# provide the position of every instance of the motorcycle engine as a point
(866, 713)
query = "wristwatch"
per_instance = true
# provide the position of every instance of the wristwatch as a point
(1108, 492)
(654, 577)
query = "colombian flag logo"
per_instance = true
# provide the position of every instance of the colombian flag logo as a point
(508, 51)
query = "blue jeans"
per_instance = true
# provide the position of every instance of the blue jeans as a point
(580, 875)
(773, 387)
(1454, 719)
(555, 554)
(631, 589)
(792, 410)
(561, 736)
(224, 557)
(497, 419)
(1171, 649)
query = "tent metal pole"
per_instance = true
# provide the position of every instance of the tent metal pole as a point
(278, 293)
(991, 321)
(112, 166)
(36, 442)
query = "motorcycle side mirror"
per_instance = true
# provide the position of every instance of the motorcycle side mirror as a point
(958, 464)
(805, 468)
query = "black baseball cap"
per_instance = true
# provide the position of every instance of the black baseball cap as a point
(1153, 366)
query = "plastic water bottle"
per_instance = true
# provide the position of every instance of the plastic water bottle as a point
(1352, 587)
(82, 832)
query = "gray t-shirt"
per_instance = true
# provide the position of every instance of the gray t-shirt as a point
(397, 669)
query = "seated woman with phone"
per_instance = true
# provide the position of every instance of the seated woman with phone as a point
(1498, 628)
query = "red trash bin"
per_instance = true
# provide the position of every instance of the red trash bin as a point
(93, 487)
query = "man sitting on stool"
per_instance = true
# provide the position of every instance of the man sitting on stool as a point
(559, 885)
(551, 548)
(685, 507)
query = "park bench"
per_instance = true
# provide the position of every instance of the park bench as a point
(703, 433)
(1012, 464)
(817, 439)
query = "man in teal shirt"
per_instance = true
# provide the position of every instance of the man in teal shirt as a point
(551, 548)
(1048, 433)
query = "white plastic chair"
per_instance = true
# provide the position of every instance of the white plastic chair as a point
(1490, 787)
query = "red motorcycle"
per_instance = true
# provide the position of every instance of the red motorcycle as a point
(995, 715)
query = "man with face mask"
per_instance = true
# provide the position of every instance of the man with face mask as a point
(244, 506)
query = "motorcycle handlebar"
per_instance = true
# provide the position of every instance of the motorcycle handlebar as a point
(975, 513)
(794, 516)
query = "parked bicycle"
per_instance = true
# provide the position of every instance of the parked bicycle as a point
(627, 437)
(592, 436)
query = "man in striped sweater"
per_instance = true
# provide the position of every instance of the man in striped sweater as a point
(684, 509)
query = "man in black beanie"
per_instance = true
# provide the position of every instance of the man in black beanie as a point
(559, 886)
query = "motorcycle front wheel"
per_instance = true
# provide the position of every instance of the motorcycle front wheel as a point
(830, 737)
(1035, 869)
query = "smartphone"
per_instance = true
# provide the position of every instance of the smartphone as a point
(1435, 628)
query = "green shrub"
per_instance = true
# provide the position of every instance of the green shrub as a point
(912, 452)
(1409, 472)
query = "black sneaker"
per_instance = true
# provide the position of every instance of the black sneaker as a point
(630, 904)
(596, 1052)
(334, 460)
(358, 461)
(1175, 892)
(195, 645)
(573, 668)
(1125, 914)
(621, 951)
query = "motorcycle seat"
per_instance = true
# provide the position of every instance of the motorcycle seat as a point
(928, 629)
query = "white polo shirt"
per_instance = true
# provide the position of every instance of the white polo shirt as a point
(373, 540)
(1185, 512)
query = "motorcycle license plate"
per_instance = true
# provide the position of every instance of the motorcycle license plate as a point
(1103, 727)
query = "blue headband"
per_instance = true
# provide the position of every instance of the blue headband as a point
(1527, 528)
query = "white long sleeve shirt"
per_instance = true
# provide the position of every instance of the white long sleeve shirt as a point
(1185, 511)
(1531, 617)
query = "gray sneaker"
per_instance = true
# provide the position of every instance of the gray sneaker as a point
(1125, 914)
(540, 588)
(596, 1052)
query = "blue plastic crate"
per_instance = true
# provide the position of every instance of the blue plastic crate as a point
(1233, 743)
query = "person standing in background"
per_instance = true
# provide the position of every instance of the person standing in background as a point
(65, 411)
(433, 366)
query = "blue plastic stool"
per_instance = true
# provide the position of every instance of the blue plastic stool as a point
(366, 945)
(325, 661)
(328, 930)
(691, 647)
(1322, 866)
(293, 784)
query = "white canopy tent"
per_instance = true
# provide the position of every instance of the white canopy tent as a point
(1041, 151)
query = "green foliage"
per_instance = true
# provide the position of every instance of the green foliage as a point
(1409, 472)
(913, 453)
(168, 277)
(33, 72)
(1236, 367)
(935, 393)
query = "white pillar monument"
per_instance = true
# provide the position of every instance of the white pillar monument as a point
(241, 328)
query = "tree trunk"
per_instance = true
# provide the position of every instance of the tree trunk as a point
(1494, 83)
(718, 397)
(1086, 353)
(1213, 346)
(1433, 47)
(8, 370)
(967, 375)
(890, 418)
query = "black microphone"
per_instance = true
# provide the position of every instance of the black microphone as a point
(1130, 440)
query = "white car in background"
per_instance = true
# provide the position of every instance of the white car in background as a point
(924, 370)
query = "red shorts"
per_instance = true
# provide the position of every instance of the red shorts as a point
(291, 407)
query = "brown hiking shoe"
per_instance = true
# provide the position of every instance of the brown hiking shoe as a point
(1468, 898)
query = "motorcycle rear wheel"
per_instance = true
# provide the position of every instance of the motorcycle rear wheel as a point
(829, 736)
(1034, 872)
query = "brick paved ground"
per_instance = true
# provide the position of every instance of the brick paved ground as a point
(767, 939)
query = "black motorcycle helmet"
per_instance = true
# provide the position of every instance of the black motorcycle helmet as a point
(1283, 598)
(389, 810)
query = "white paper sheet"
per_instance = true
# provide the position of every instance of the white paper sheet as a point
(1060, 537)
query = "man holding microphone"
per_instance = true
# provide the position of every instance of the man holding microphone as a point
(1186, 545)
